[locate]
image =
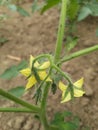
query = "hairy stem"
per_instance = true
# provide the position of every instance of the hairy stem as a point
(18, 100)
(43, 113)
(79, 53)
(62, 73)
(9, 109)
(61, 29)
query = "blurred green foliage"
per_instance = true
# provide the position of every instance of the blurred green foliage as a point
(67, 121)
(13, 71)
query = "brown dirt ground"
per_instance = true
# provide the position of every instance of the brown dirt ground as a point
(35, 35)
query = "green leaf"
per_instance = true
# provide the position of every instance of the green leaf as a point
(21, 65)
(67, 114)
(84, 12)
(49, 4)
(13, 71)
(12, 7)
(18, 91)
(35, 6)
(9, 73)
(94, 8)
(61, 121)
(22, 11)
(67, 126)
(60, 116)
(73, 9)
(76, 121)
(71, 43)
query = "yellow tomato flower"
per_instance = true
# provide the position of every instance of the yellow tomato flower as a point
(42, 74)
(77, 89)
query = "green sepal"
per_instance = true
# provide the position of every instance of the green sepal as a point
(38, 95)
(53, 88)
(35, 72)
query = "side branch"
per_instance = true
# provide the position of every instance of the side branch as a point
(19, 101)
(9, 109)
(79, 53)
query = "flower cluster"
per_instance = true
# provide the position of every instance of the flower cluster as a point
(31, 77)
(41, 71)
(77, 90)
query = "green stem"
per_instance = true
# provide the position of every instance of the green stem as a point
(61, 29)
(79, 53)
(19, 101)
(48, 56)
(43, 115)
(45, 95)
(9, 109)
(62, 73)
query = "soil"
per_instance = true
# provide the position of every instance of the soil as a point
(35, 35)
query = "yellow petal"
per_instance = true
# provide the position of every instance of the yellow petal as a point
(48, 79)
(67, 98)
(26, 72)
(45, 65)
(78, 93)
(31, 60)
(36, 64)
(62, 87)
(43, 75)
(31, 82)
(79, 83)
